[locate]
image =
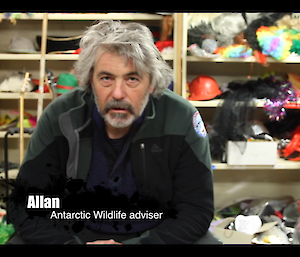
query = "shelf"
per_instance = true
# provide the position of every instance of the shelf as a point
(168, 57)
(24, 16)
(259, 103)
(2, 134)
(61, 57)
(281, 164)
(103, 16)
(209, 103)
(27, 95)
(74, 57)
(215, 103)
(20, 57)
(290, 59)
(88, 16)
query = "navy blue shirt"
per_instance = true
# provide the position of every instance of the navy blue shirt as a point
(111, 171)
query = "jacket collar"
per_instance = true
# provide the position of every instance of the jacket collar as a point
(81, 114)
(150, 109)
(71, 124)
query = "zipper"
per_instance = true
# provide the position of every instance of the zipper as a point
(142, 146)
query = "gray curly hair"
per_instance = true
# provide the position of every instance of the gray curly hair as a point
(133, 40)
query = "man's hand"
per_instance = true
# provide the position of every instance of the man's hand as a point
(104, 242)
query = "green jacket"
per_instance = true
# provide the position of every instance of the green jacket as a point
(170, 161)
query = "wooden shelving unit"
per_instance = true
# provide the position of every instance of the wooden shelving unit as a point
(290, 59)
(247, 181)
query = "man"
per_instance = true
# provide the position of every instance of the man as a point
(121, 143)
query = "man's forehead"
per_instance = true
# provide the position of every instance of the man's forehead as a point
(112, 64)
(101, 73)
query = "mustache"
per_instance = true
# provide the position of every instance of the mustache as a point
(118, 104)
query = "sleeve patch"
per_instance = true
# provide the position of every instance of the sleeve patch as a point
(199, 124)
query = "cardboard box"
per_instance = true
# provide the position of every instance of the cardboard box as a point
(228, 236)
(255, 153)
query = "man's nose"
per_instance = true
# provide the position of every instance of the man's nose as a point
(118, 92)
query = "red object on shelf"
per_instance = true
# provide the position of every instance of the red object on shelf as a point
(163, 44)
(203, 88)
(46, 89)
(77, 51)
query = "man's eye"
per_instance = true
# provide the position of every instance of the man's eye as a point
(133, 80)
(106, 81)
(105, 78)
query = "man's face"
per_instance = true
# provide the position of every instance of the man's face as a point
(121, 94)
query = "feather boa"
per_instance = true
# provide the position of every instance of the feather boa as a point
(274, 42)
(234, 51)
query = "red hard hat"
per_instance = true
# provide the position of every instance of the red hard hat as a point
(204, 88)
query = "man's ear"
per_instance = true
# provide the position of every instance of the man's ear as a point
(151, 89)
(91, 81)
(91, 76)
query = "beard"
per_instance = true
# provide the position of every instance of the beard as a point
(121, 120)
